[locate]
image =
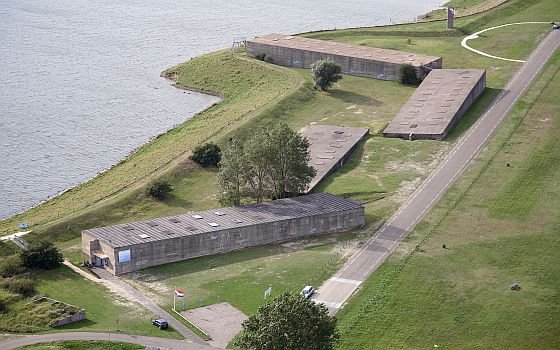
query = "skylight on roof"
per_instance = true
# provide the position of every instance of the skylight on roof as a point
(237, 221)
(213, 224)
(175, 220)
(144, 236)
(152, 224)
(196, 216)
(129, 228)
(219, 213)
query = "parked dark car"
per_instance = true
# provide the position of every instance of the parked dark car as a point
(160, 323)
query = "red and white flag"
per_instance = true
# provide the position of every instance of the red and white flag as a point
(179, 293)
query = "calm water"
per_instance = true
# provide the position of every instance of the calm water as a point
(80, 85)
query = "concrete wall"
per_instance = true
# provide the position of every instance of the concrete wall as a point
(294, 57)
(77, 317)
(208, 243)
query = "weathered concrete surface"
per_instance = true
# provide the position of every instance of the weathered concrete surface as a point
(438, 104)
(294, 51)
(330, 147)
(220, 321)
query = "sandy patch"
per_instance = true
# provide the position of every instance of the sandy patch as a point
(405, 190)
(220, 321)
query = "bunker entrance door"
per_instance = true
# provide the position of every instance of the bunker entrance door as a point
(100, 259)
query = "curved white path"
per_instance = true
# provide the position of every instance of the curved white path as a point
(475, 36)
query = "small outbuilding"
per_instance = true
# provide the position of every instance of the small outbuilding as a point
(137, 245)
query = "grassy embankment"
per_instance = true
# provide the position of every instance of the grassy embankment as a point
(103, 309)
(82, 345)
(501, 224)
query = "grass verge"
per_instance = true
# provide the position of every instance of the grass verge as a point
(460, 297)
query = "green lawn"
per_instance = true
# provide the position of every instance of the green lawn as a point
(501, 226)
(83, 345)
(102, 307)
(242, 277)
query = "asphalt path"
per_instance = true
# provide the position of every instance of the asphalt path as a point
(340, 287)
(161, 343)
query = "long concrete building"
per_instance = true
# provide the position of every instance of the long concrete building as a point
(438, 104)
(295, 51)
(330, 147)
(137, 245)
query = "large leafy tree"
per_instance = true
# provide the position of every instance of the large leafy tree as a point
(325, 73)
(258, 155)
(231, 177)
(289, 322)
(43, 255)
(207, 154)
(272, 163)
(290, 172)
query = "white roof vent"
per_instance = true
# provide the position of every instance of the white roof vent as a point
(196, 216)
(219, 213)
(213, 224)
(144, 236)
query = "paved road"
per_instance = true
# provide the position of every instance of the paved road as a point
(340, 287)
(150, 305)
(161, 343)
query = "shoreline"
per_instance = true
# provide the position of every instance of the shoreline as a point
(171, 77)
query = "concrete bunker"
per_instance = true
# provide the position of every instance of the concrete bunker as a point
(438, 104)
(130, 247)
(300, 52)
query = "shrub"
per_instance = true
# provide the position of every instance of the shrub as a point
(11, 266)
(207, 154)
(159, 189)
(268, 59)
(22, 286)
(43, 255)
(325, 73)
(407, 75)
(260, 56)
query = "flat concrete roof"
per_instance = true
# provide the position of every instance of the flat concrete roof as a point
(433, 105)
(214, 220)
(328, 146)
(334, 48)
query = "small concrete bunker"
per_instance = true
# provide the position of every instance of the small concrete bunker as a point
(300, 52)
(330, 147)
(438, 104)
(130, 247)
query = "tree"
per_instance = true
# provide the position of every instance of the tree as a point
(11, 266)
(43, 255)
(407, 75)
(258, 154)
(289, 322)
(273, 163)
(207, 154)
(290, 173)
(231, 177)
(159, 189)
(325, 73)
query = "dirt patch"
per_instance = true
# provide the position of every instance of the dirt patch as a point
(220, 321)
(405, 190)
